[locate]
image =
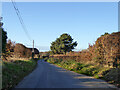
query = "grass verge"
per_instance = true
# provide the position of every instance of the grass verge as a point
(14, 72)
(111, 75)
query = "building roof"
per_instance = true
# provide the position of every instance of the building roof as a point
(36, 51)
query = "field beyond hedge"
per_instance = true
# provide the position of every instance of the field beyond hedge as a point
(13, 72)
(111, 75)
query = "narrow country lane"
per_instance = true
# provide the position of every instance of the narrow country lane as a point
(50, 76)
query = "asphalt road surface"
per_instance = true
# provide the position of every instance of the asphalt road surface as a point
(50, 76)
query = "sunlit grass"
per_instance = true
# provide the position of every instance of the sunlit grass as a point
(13, 72)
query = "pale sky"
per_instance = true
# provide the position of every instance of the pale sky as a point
(46, 21)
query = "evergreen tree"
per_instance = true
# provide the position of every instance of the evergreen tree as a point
(4, 37)
(63, 44)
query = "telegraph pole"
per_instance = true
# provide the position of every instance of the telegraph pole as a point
(33, 46)
(33, 50)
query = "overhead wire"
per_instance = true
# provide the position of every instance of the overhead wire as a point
(20, 19)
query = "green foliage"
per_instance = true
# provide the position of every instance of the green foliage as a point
(109, 74)
(4, 38)
(106, 33)
(72, 65)
(88, 69)
(63, 44)
(112, 75)
(14, 72)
